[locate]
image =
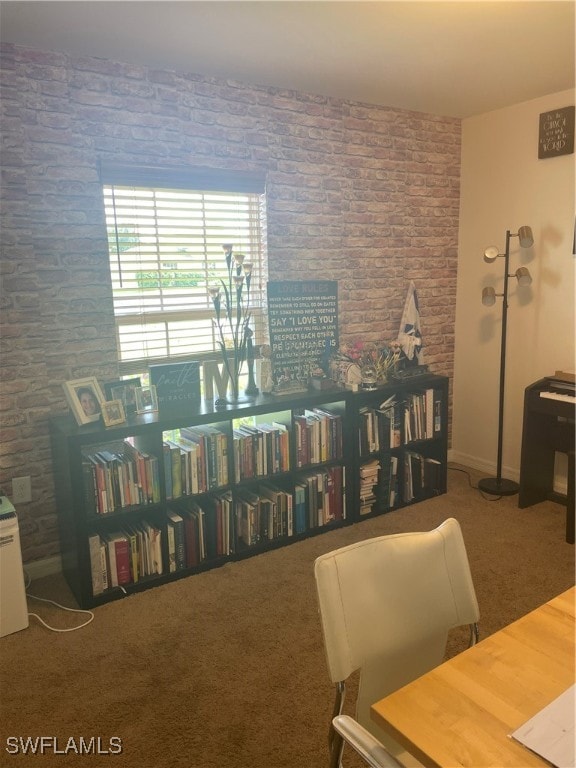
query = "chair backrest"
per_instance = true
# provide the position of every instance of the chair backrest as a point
(387, 605)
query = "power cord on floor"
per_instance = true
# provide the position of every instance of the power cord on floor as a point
(474, 487)
(63, 607)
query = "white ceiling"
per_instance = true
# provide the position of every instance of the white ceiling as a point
(447, 58)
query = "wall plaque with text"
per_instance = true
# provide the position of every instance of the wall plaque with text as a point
(303, 322)
(556, 135)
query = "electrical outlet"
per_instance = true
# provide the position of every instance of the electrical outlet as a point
(21, 490)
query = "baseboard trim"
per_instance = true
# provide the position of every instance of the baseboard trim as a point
(560, 484)
(48, 566)
(475, 462)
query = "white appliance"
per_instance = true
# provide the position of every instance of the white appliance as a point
(13, 606)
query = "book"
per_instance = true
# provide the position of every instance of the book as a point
(248, 517)
(192, 435)
(133, 540)
(284, 433)
(432, 475)
(437, 415)
(176, 469)
(153, 548)
(176, 541)
(302, 439)
(94, 544)
(171, 540)
(279, 500)
(429, 413)
(119, 558)
(300, 492)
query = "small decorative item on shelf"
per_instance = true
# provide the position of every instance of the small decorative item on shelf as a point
(369, 376)
(146, 399)
(264, 370)
(319, 380)
(251, 389)
(231, 299)
(113, 413)
(372, 362)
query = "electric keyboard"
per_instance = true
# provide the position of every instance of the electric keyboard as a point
(558, 396)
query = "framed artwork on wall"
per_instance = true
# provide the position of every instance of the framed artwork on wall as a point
(85, 399)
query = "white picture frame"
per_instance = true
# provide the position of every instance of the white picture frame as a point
(146, 399)
(85, 399)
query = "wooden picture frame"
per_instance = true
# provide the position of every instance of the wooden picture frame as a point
(113, 412)
(124, 390)
(85, 399)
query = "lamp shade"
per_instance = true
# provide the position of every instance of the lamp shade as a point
(488, 296)
(491, 253)
(525, 237)
(523, 276)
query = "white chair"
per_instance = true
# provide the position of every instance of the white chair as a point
(386, 607)
(369, 748)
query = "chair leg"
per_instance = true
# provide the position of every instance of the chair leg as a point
(335, 741)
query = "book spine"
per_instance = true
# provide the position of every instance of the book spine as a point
(94, 545)
(123, 561)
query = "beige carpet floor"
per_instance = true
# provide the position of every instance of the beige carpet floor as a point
(226, 668)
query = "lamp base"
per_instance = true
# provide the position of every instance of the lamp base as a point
(498, 486)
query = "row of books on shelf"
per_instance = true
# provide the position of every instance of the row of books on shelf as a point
(380, 427)
(219, 525)
(379, 485)
(422, 415)
(422, 476)
(379, 481)
(318, 436)
(118, 475)
(195, 460)
(318, 498)
(126, 556)
(261, 450)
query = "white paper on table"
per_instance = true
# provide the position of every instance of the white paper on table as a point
(550, 733)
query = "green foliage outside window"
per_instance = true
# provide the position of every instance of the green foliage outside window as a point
(125, 239)
(170, 279)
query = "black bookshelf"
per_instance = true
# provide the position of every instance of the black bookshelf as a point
(223, 513)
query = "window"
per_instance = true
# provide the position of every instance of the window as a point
(165, 233)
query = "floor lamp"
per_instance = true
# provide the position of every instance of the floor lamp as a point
(499, 486)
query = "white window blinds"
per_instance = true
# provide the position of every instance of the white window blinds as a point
(165, 235)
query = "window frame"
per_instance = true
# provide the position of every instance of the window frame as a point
(191, 179)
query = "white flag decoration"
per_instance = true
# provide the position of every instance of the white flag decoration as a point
(409, 335)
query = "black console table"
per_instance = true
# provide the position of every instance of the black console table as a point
(548, 427)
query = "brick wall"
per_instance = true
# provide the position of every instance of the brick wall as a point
(365, 195)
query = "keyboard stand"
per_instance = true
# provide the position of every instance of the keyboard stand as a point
(548, 427)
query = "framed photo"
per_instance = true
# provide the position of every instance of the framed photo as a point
(146, 399)
(85, 399)
(125, 391)
(113, 413)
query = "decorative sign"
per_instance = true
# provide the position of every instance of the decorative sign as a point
(556, 136)
(177, 385)
(303, 322)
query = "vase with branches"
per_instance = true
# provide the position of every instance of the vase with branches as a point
(231, 300)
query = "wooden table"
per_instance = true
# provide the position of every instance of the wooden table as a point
(462, 712)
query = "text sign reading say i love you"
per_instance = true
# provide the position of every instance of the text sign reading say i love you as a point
(303, 322)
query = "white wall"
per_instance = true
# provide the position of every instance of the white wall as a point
(504, 186)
